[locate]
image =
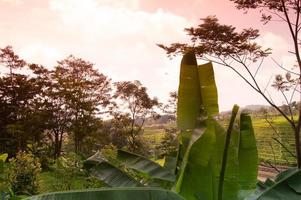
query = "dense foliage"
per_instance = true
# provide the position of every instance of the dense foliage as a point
(23, 174)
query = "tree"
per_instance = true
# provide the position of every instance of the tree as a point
(223, 45)
(83, 91)
(171, 106)
(21, 119)
(136, 106)
(55, 117)
(10, 59)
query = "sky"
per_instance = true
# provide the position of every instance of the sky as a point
(120, 37)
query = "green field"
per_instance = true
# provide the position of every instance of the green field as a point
(268, 149)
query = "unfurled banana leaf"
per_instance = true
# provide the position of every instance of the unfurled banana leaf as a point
(189, 120)
(144, 165)
(111, 194)
(108, 173)
(287, 186)
(193, 80)
(189, 94)
(208, 89)
(188, 111)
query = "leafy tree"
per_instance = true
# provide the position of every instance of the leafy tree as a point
(41, 106)
(136, 106)
(171, 106)
(224, 45)
(19, 94)
(83, 91)
(169, 142)
(10, 59)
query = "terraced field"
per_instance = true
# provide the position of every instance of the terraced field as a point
(270, 150)
(269, 139)
(153, 135)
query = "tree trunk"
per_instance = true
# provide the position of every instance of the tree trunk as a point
(56, 145)
(297, 130)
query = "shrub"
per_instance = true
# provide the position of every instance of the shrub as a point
(67, 169)
(3, 175)
(43, 152)
(23, 173)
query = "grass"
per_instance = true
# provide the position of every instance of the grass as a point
(52, 181)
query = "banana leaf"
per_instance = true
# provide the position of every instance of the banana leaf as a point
(195, 177)
(111, 194)
(247, 156)
(208, 89)
(287, 185)
(108, 173)
(171, 163)
(189, 94)
(191, 111)
(188, 110)
(144, 165)
(202, 173)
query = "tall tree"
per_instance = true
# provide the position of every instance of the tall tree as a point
(19, 111)
(84, 91)
(136, 106)
(9, 59)
(224, 45)
(51, 105)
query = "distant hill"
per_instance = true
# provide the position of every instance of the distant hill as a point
(256, 107)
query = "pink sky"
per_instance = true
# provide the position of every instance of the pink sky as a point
(120, 37)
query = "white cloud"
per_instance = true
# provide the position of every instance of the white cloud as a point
(122, 40)
(271, 40)
(96, 20)
(14, 2)
(40, 53)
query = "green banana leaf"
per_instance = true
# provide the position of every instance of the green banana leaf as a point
(144, 165)
(287, 186)
(189, 94)
(188, 111)
(191, 111)
(195, 177)
(201, 177)
(111, 194)
(208, 88)
(108, 173)
(247, 156)
(171, 163)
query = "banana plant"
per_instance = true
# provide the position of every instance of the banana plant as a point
(215, 164)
